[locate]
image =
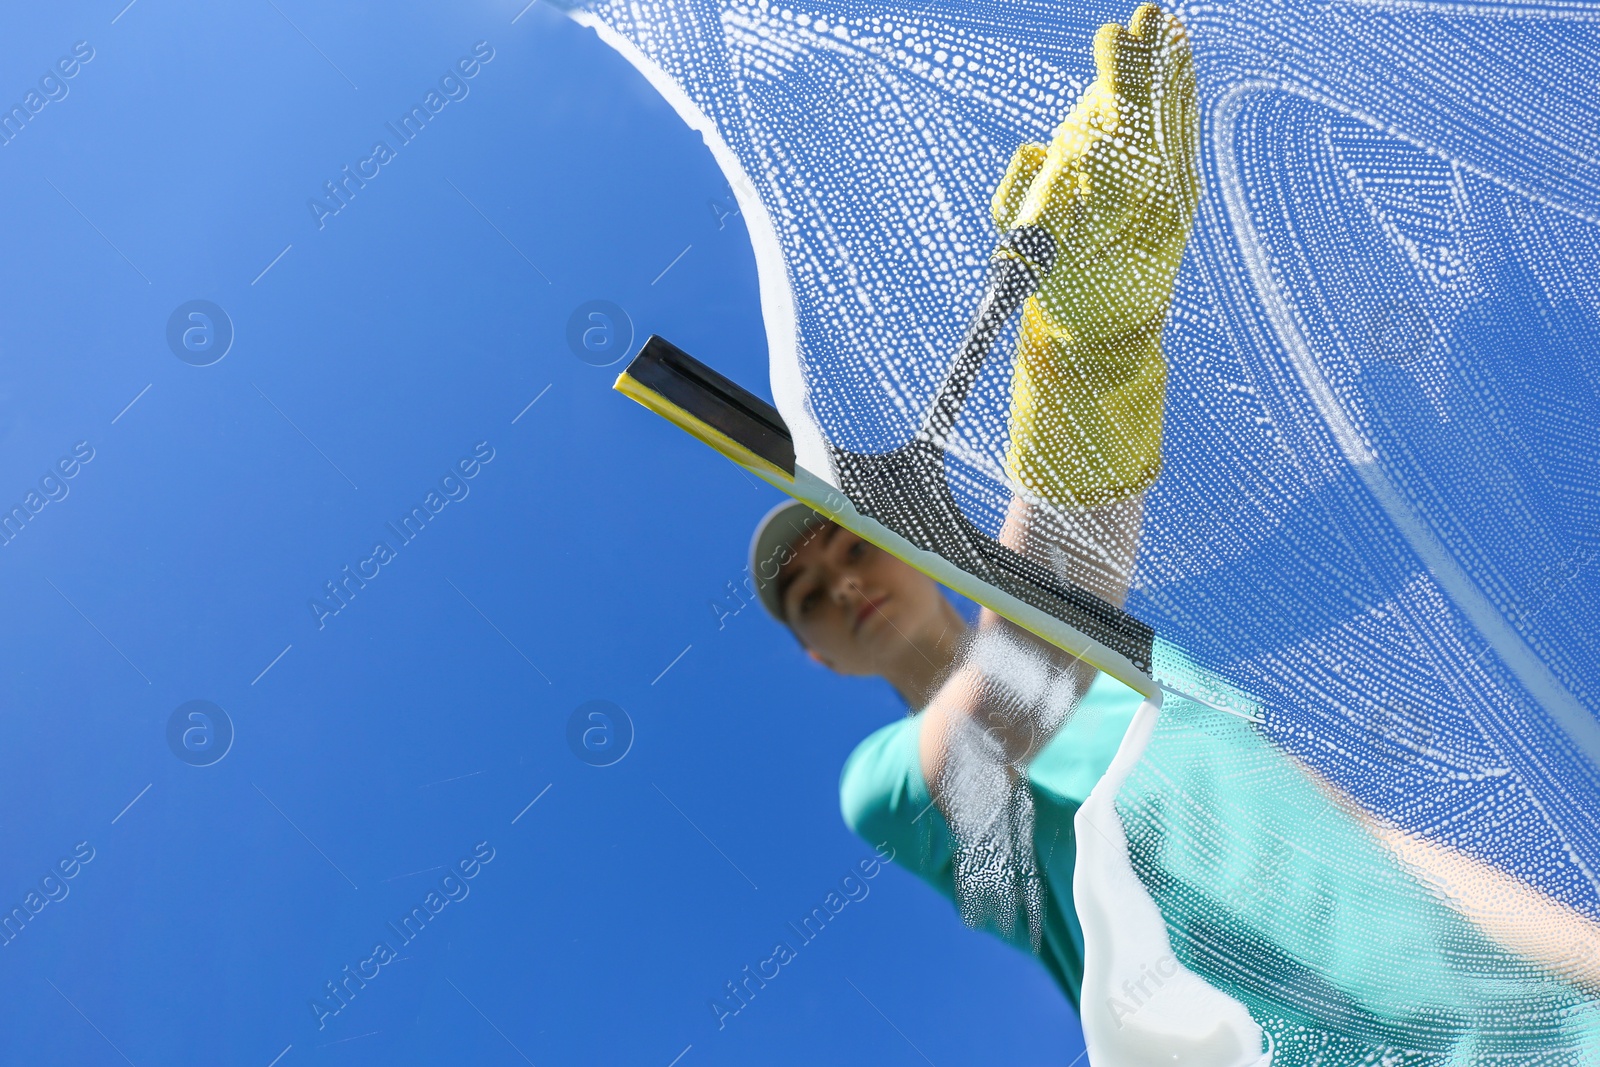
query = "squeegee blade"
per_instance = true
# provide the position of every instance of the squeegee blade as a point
(750, 431)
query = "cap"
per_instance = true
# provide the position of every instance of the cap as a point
(782, 528)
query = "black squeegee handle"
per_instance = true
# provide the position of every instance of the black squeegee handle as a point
(1018, 265)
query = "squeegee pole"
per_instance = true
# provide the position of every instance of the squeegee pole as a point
(1022, 259)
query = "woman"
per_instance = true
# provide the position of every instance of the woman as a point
(861, 611)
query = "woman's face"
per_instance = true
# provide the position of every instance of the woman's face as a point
(854, 606)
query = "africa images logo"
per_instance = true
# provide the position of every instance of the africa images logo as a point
(53, 88)
(452, 87)
(453, 888)
(453, 487)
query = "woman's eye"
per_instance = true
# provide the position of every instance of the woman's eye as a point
(857, 550)
(809, 601)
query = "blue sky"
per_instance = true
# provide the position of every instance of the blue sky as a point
(408, 732)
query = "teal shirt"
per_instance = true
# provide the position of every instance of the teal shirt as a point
(884, 798)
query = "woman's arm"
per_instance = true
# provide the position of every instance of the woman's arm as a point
(1116, 189)
(1011, 688)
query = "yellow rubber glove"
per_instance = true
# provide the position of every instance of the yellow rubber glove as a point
(1117, 188)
